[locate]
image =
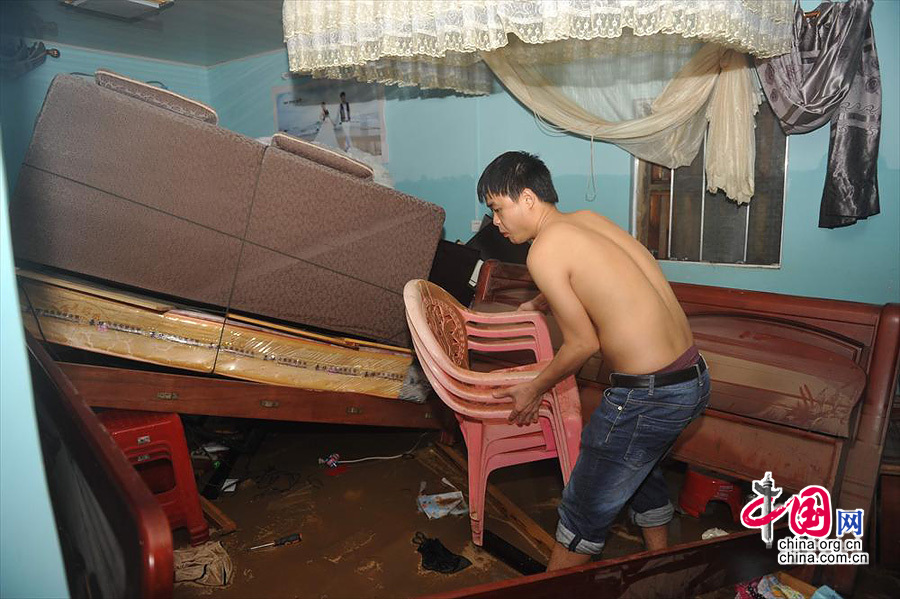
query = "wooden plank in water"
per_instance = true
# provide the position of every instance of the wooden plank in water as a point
(539, 538)
(225, 524)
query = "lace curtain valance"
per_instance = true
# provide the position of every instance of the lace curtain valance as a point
(435, 43)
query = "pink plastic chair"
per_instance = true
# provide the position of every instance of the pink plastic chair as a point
(443, 332)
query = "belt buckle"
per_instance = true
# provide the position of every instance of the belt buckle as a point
(701, 362)
(615, 379)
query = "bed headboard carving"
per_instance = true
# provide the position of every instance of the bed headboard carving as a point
(780, 371)
(762, 326)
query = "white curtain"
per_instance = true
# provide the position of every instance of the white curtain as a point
(636, 102)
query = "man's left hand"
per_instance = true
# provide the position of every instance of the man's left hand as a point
(526, 403)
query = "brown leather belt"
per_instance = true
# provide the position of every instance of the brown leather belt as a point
(645, 381)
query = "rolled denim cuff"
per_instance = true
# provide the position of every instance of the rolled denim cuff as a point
(655, 517)
(576, 544)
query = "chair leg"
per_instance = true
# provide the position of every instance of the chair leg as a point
(199, 534)
(477, 532)
(476, 506)
(474, 433)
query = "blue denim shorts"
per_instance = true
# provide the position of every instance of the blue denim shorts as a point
(621, 448)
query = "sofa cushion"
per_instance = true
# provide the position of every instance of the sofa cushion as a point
(156, 96)
(365, 239)
(88, 231)
(321, 155)
(359, 228)
(141, 153)
(284, 287)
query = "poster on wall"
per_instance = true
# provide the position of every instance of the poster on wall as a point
(346, 115)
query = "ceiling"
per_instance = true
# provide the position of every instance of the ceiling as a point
(197, 32)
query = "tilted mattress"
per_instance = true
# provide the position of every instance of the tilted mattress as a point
(86, 317)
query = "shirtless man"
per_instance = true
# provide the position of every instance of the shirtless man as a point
(607, 293)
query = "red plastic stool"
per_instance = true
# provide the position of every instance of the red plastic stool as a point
(154, 444)
(699, 489)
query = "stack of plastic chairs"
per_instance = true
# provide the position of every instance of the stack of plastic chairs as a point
(443, 332)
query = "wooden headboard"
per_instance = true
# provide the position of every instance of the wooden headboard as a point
(114, 535)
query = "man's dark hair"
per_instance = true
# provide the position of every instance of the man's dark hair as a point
(343, 94)
(510, 173)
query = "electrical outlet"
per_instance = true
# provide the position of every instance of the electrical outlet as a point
(476, 226)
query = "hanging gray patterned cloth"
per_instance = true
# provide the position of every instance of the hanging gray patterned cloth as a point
(831, 74)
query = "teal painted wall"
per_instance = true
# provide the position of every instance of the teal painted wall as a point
(241, 92)
(31, 564)
(21, 99)
(513, 127)
(438, 144)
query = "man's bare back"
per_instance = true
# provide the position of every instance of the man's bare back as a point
(638, 321)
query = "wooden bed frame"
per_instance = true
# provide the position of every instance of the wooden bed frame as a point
(733, 443)
(131, 389)
(683, 571)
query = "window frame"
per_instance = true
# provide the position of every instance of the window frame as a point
(633, 224)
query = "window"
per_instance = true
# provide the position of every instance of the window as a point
(676, 218)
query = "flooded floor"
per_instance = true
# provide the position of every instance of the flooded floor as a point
(358, 522)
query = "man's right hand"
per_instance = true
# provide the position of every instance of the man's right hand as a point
(526, 403)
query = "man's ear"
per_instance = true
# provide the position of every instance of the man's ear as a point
(528, 197)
